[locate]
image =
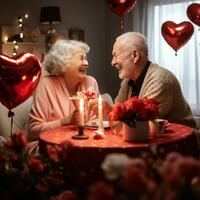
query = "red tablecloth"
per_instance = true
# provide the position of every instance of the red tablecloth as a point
(85, 156)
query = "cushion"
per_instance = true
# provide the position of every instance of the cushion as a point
(20, 118)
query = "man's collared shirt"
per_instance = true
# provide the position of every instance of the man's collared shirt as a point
(137, 84)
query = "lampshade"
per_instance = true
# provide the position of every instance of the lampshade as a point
(50, 15)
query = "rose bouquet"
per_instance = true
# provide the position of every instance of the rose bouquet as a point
(35, 176)
(86, 94)
(176, 177)
(28, 175)
(134, 109)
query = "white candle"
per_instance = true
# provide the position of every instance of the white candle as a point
(81, 112)
(100, 112)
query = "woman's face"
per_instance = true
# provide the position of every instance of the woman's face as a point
(78, 65)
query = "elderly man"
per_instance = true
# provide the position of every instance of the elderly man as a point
(142, 78)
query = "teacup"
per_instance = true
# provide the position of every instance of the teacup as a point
(157, 127)
(160, 125)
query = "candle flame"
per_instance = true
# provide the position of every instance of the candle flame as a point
(6, 39)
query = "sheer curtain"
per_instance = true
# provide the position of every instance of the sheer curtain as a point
(186, 64)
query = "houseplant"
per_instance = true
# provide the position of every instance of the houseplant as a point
(135, 114)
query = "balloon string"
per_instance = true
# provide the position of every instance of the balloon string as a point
(11, 114)
(122, 25)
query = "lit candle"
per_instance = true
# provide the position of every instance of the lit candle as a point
(81, 112)
(100, 112)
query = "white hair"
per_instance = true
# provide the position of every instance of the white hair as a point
(60, 54)
(134, 39)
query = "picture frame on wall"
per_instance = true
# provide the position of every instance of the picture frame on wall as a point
(76, 34)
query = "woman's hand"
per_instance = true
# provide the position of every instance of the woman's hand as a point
(72, 119)
(75, 117)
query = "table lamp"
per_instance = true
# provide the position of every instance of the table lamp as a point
(50, 15)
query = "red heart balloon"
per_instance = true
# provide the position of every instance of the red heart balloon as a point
(121, 7)
(19, 77)
(193, 13)
(177, 35)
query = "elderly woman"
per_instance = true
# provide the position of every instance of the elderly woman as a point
(66, 64)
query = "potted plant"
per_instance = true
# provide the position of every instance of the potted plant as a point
(135, 114)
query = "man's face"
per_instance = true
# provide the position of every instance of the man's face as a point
(122, 60)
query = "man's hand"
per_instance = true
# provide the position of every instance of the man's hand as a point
(107, 105)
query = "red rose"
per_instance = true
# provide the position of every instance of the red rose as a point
(101, 191)
(134, 109)
(90, 94)
(66, 195)
(35, 165)
(16, 160)
(134, 180)
(19, 140)
(174, 180)
(134, 104)
(57, 153)
(118, 112)
(42, 186)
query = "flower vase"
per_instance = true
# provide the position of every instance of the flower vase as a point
(138, 133)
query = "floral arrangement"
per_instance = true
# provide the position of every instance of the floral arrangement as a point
(26, 175)
(134, 109)
(33, 176)
(87, 94)
(175, 178)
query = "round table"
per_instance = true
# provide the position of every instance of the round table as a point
(85, 156)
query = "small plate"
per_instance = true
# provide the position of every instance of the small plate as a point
(94, 124)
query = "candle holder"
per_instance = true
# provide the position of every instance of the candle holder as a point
(80, 134)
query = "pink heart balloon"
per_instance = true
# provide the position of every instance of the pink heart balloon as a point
(193, 13)
(121, 7)
(177, 35)
(19, 77)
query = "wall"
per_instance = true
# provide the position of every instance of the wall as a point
(89, 16)
(113, 30)
(100, 24)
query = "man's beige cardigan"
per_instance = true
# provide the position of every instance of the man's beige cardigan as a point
(161, 84)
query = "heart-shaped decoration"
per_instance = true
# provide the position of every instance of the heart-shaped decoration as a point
(121, 7)
(177, 35)
(19, 77)
(193, 13)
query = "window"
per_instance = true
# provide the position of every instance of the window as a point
(186, 65)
